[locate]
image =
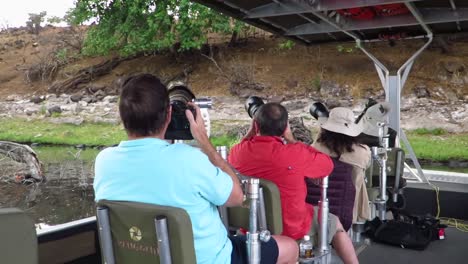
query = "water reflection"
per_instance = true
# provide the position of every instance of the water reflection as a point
(66, 195)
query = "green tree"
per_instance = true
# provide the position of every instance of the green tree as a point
(54, 20)
(34, 22)
(133, 26)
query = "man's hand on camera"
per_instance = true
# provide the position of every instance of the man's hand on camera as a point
(197, 124)
(288, 135)
(251, 133)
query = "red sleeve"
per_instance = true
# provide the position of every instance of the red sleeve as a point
(317, 164)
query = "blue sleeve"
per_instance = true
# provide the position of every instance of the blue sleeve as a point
(211, 182)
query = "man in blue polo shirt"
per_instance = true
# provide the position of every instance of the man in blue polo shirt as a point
(146, 168)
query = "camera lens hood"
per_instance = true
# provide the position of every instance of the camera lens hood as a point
(252, 104)
(180, 93)
(179, 127)
(318, 109)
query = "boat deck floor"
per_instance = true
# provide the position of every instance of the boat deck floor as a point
(452, 250)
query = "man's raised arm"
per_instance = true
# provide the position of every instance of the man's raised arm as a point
(197, 127)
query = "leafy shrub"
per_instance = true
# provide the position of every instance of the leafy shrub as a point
(286, 45)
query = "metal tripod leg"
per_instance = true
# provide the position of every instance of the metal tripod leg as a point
(253, 241)
(322, 252)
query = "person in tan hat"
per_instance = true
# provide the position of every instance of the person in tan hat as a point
(337, 138)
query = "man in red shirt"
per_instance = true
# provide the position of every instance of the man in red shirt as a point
(264, 154)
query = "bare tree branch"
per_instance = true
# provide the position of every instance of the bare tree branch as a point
(221, 71)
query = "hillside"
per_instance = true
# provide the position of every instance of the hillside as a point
(30, 64)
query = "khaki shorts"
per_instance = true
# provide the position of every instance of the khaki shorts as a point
(314, 230)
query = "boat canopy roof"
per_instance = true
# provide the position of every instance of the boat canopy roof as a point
(320, 21)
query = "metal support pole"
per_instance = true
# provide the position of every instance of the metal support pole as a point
(222, 150)
(379, 203)
(393, 96)
(163, 240)
(370, 174)
(383, 169)
(383, 177)
(396, 187)
(105, 235)
(265, 234)
(379, 154)
(411, 171)
(262, 222)
(356, 231)
(406, 67)
(253, 241)
(412, 155)
(324, 248)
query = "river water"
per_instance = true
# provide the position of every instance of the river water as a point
(66, 195)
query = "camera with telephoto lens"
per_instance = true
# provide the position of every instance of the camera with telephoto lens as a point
(179, 97)
(252, 104)
(319, 110)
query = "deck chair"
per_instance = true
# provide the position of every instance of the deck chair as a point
(18, 240)
(131, 232)
(341, 192)
(238, 217)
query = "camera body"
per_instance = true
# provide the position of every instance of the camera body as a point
(179, 97)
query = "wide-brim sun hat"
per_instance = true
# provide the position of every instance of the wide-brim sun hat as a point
(341, 120)
(375, 114)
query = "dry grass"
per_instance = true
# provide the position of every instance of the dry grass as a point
(281, 72)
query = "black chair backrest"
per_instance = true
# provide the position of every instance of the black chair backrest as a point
(341, 192)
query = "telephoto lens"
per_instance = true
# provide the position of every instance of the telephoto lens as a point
(179, 96)
(179, 127)
(252, 104)
(318, 110)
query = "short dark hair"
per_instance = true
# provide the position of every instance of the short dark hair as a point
(272, 119)
(143, 106)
